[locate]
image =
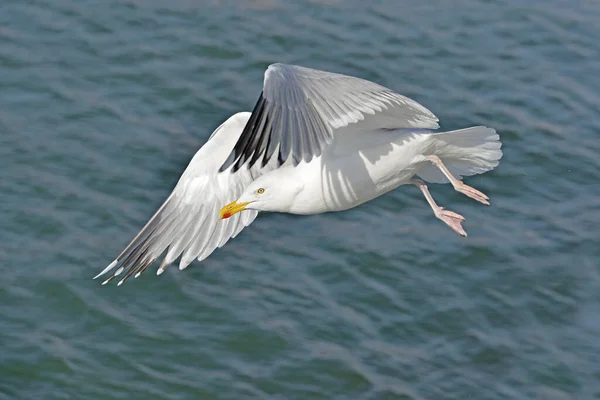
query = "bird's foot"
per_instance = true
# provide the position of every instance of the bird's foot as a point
(452, 219)
(458, 185)
(473, 193)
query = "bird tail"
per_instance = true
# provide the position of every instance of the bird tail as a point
(465, 152)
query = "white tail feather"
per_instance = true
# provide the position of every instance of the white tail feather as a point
(465, 152)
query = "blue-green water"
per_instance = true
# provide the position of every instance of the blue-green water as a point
(102, 105)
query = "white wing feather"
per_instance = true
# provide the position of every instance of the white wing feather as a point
(188, 223)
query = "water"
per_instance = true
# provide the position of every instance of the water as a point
(102, 105)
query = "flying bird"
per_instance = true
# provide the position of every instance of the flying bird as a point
(315, 142)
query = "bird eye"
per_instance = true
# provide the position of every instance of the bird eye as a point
(260, 191)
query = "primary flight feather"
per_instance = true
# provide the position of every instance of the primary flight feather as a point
(315, 142)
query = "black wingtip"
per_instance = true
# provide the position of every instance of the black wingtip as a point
(230, 160)
(244, 148)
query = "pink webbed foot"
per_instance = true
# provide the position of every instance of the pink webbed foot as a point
(473, 193)
(452, 219)
(459, 186)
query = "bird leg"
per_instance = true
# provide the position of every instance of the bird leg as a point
(452, 219)
(458, 185)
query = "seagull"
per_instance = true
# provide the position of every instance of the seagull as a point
(315, 142)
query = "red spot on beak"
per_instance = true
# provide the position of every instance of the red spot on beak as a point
(226, 215)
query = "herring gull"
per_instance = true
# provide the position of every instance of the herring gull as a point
(315, 142)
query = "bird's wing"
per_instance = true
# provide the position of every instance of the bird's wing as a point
(188, 223)
(300, 108)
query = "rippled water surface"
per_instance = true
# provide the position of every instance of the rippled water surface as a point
(102, 105)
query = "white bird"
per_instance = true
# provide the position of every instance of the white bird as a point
(315, 142)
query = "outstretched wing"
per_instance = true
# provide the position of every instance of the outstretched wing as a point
(188, 224)
(299, 109)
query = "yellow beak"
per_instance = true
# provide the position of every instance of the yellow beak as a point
(232, 208)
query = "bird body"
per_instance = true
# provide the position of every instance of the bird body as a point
(352, 178)
(315, 142)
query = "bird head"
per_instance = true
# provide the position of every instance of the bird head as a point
(270, 192)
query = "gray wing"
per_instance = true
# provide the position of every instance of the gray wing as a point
(300, 108)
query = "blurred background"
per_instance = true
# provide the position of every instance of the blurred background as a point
(103, 104)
